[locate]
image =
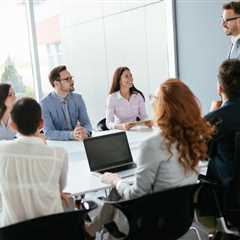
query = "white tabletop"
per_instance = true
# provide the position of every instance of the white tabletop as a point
(80, 179)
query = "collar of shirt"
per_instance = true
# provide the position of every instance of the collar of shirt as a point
(30, 139)
(119, 96)
(232, 100)
(60, 98)
(234, 39)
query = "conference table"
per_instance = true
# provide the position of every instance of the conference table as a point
(80, 179)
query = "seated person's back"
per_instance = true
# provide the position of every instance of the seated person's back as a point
(226, 119)
(157, 169)
(170, 157)
(167, 159)
(32, 174)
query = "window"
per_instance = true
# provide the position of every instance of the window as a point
(15, 61)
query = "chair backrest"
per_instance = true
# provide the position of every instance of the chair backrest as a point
(231, 194)
(232, 205)
(236, 177)
(101, 126)
(67, 225)
(225, 202)
(163, 215)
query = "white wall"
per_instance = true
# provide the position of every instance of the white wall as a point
(113, 34)
(202, 46)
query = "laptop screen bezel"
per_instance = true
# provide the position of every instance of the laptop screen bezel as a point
(87, 140)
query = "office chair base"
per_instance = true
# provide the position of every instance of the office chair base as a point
(222, 227)
(195, 230)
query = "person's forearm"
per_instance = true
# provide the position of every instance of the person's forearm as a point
(59, 135)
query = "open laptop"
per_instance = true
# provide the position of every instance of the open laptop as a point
(110, 153)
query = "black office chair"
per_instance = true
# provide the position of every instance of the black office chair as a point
(101, 126)
(163, 215)
(226, 202)
(61, 226)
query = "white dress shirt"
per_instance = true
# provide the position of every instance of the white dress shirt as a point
(32, 175)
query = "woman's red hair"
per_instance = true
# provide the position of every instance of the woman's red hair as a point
(178, 115)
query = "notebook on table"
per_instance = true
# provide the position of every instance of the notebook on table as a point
(110, 153)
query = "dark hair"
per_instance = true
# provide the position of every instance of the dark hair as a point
(4, 91)
(116, 82)
(235, 6)
(26, 114)
(177, 113)
(54, 75)
(229, 77)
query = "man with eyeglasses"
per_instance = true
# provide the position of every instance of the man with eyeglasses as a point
(231, 27)
(64, 112)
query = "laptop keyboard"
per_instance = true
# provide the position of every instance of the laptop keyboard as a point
(119, 169)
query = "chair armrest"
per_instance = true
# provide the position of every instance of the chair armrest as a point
(204, 179)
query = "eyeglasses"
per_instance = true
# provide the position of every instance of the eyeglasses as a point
(229, 19)
(67, 79)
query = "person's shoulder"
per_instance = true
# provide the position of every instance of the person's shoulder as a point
(8, 146)
(48, 98)
(212, 114)
(222, 112)
(155, 140)
(76, 96)
(60, 152)
(114, 95)
(139, 95)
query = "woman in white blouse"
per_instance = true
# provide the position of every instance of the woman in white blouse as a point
(125, 103)
(7, 99)
(169, 158)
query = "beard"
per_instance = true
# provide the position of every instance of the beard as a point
(227, 31)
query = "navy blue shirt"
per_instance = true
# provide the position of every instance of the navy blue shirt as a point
(222, 147)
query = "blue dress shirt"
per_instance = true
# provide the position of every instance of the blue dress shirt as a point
(55, 127)
(6, 133)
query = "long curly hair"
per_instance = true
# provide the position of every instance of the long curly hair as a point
(178, 114)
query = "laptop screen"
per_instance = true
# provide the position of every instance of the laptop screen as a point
(107, 151)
